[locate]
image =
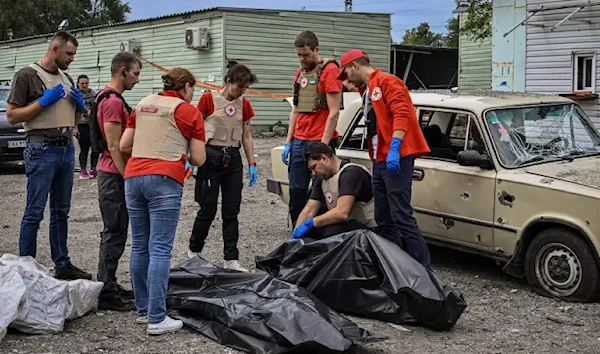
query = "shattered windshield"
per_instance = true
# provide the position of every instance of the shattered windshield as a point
(537, 134)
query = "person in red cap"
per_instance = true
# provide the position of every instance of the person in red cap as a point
(396, 140)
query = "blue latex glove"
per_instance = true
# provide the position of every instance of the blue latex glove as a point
(286, 153)
(52, 95)
(253, 175)
(78, 98)
(189, 169)
(393, 158)
(303, 229)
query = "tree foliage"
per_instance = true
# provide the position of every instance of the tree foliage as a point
(422, 35)
(478, 23)
(32, 17)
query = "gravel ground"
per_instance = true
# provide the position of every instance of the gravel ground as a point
(503, 315)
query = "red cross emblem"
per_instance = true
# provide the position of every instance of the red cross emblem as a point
(304, 82)
(230, 110)
(329, 197)
(376, 95)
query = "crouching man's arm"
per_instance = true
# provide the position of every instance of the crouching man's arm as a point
(310, 210)
(339, 214)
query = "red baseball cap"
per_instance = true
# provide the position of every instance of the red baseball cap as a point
(349, 57)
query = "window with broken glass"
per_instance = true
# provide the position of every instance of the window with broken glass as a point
(539, 134)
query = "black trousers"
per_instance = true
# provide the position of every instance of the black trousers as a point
(85, 143)
(331, 230)
(111, 196)
(212, 176)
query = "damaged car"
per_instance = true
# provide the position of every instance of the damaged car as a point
(513, 177)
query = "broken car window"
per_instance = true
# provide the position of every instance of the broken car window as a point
(543, 133)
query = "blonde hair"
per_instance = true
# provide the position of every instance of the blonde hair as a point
(176, 79)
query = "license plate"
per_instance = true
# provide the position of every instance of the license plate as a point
(17, 144)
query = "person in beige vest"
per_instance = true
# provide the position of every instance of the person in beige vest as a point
(227, 121)
(43, 98)
(342, 195)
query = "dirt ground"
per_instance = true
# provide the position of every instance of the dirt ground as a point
(503, 315)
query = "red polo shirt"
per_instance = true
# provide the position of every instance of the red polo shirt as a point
(190, 123)
(395, 111)
(311, 126)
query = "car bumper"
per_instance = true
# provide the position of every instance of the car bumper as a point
(279, 188)
(12, 147)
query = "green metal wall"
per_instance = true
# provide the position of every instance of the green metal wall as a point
(264, 41)
(474, 62)
(261, 39)
(161, 41)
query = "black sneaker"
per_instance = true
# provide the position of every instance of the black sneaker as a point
(124, 293)
(114, 303)
(70, 272)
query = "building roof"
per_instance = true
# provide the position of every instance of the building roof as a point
(188, 13)
(478, 101)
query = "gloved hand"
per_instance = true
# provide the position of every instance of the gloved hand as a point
(189, 169)
(52, 95)
(286, 153)
(78, 98)
(393, 158)
(303, 229)
(253, 175)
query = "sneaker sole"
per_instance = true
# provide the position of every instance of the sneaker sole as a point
(163, 330)
(141, 320)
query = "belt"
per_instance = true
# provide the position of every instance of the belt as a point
(59, 141)
(224, 148)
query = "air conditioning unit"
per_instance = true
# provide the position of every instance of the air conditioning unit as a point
(131, 45)
(196, 38)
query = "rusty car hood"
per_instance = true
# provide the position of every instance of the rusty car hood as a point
(584, 171)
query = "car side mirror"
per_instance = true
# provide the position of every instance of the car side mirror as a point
(474, 158)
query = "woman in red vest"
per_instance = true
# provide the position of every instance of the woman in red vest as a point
(160, 132)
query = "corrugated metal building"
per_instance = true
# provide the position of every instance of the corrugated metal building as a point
(474, 61)
(261, 39)
(562, 56)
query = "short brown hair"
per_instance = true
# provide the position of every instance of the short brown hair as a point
(176, 79)
(125, 59)
(362, 61)
(307, 38)
(239, 74)
(62, 37)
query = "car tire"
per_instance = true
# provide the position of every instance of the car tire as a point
(559, 263)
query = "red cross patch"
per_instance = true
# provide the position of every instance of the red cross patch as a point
(304, 82)
(230, 110)
(376, 95)
(329, 197)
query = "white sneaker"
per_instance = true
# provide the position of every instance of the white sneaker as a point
(167, 325)
(141, 319)
(193, 254)
(235, 265)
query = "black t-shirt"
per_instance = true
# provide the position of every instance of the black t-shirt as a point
(353, 181)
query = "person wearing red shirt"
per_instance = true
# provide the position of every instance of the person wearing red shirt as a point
(227, 118)
(162, 130)
(317, 101)
(111, 113)
(395, 143)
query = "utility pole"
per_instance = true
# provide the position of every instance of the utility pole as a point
(348, 4)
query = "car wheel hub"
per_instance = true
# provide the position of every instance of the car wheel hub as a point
(558, 269)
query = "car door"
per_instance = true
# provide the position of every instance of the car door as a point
(453, 203)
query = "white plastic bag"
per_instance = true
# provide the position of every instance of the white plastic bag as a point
(12, 289)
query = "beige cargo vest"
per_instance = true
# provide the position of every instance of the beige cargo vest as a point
(309, 98)
(58, 115)
(361, 211)
(224, 126)
(157, 135)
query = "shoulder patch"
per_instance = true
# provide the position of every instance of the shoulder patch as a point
(376, 95)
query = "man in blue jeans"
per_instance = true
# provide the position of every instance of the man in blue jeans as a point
(46, 101)
(317, 103)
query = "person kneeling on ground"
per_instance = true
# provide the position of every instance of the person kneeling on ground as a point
(344, 188)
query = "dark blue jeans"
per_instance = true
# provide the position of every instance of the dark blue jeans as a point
(393, 212)
(49, 170)
(154, 203)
